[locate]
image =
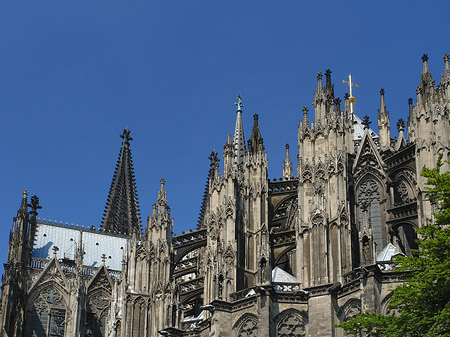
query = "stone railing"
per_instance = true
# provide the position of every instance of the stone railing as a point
(70, 268)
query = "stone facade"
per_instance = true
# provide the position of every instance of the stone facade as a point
(288, 257)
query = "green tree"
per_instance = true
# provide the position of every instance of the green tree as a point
(422, 302)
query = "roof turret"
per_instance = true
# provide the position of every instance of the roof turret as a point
(122, 209)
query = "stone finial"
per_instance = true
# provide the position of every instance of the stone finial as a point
(103, 258)
(305, 115)
(410, 105)
(34, 205)
(328, 77)
(366, 122)
(287, 165)
(319, 80)
(255, 119)
(346, 96)
(162, 194)
(239, 103)
(213, 156)
(425, 63)
(446, 62)
(400, 125)
(126, 136)
(55, 250)
(382, 92)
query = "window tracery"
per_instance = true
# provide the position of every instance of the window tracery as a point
(48, 313)
(290, 326)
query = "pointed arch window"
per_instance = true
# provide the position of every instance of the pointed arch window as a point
(48, 315)
(369, 210)
(290, 325)
(97, 307)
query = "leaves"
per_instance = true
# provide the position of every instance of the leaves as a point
(422, 302)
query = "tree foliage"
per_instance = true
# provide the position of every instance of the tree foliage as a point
(422, 303)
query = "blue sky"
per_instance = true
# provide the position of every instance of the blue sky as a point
(73, 74)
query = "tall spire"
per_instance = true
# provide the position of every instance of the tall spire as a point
(255, 143)
(329, 88)
(426, 80)
(239, 139)
(287, 165)
(212, 170)
(122, 210)
(383, 123)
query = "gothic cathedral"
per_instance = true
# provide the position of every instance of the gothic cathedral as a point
(269, 257)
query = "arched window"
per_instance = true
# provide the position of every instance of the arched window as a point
(246, 326)
(290, 325)
(97, 309)
(369, 210)
(47, 317)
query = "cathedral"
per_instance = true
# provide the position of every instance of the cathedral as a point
(268, 257)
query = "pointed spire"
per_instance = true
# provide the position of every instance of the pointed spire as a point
(328, 78)
(162, 194)
(446, 63)
(255, 143)
(212, 170)
(319, 81)
(382, 102)
(23, 210)
(410, 105)
(383, 123)
(425, 64)
(122, 209)
(305, 116)
(366, 122)
(426, 80)
(287, 165)
(329, 88)
(239, 139)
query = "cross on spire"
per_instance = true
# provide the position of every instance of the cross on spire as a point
(239, 103)
(103, 258)
(350, 85)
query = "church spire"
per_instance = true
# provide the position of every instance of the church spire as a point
(239, 139)
(383, 123)
(211, 174)
(287, 165)
(122, 210)
(255, 143)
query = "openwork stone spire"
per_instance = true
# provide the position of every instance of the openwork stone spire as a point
(239, 139)
(212, 171)
(122, 210)
(255, 143)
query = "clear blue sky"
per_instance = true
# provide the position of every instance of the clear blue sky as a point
(73, 74)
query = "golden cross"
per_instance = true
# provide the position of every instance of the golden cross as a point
(350, 84)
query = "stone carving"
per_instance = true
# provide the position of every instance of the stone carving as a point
(248, 328)
(368, 192)
(290, 326)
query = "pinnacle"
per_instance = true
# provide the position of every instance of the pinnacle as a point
(122, 210)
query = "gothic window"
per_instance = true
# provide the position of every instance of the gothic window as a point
(369, 210)
(401, 192)
(248, 328)
(290, 326)
(47, 317)
(407, 238)
(97, 308)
